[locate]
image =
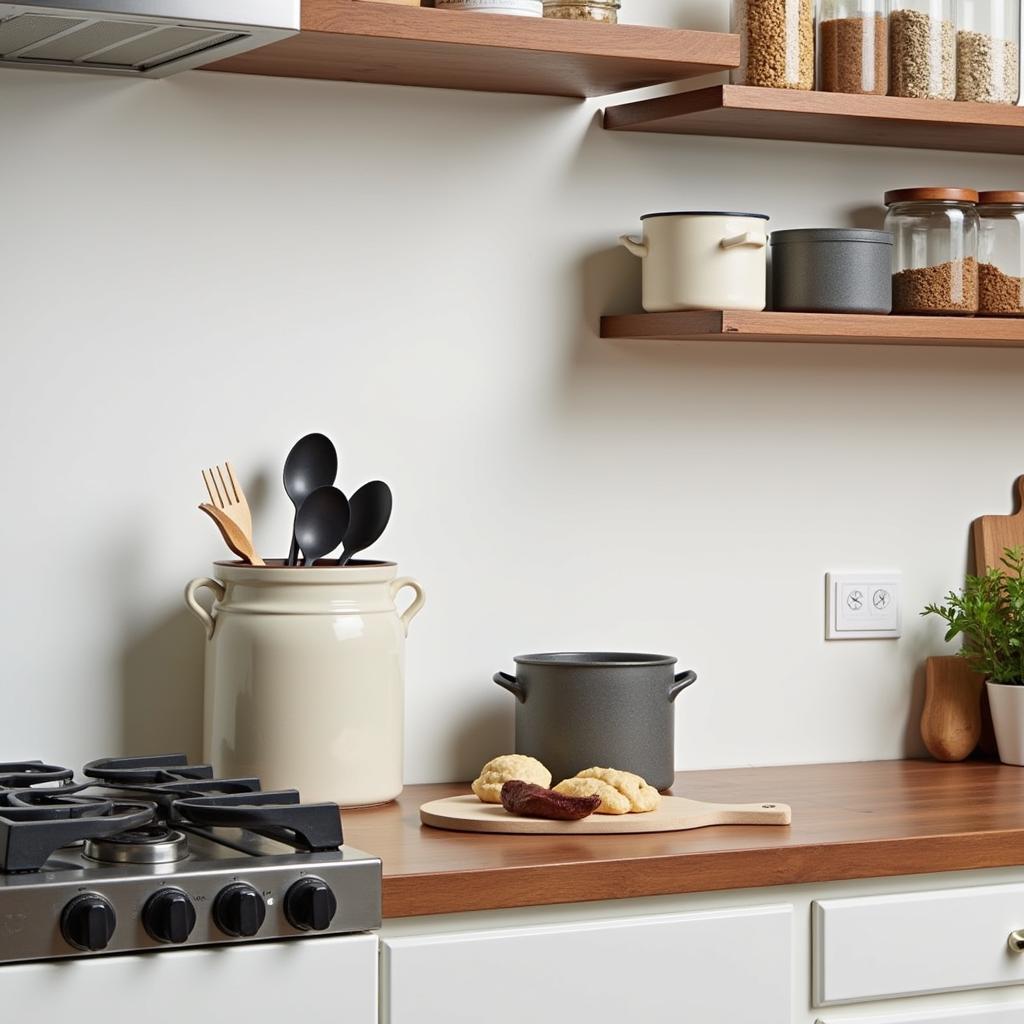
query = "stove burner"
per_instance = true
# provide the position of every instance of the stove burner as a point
(31, 773)
(146, 771)
(150, 844)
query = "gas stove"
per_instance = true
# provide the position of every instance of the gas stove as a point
(153, 853)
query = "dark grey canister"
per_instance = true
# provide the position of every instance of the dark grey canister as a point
(586, 710)
(832, 270)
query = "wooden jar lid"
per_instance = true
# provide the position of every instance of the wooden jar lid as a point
(1001, 197)
(931, 195)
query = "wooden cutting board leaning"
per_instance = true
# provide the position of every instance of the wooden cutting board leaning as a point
(674, 814)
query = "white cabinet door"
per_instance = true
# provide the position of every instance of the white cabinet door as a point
(966, 1015)
(725, 967)
(877, 947)
(312, 981)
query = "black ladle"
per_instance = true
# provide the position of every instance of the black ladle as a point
(369, 513)
(312, 463)
(321, 522)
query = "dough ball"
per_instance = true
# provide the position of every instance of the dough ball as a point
(612, 801)
(509, 767)
(641, 796)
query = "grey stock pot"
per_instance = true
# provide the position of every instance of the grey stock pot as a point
(582, 710)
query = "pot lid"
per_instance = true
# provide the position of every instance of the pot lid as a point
(704, 213)
(1000, 197)
(832, 235)
(930, 195)
(594, 659)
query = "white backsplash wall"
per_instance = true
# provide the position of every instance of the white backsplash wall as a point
(209, 266)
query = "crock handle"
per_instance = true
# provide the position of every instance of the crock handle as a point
(680, 683)
(748, 240)
(207, 618)
(511, 684)
(634, 245)
(418, 601)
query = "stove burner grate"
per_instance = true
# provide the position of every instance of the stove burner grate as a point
(18, 774)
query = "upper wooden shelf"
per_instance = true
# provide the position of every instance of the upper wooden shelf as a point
(834, 328)
(356, 41)
(753, 113)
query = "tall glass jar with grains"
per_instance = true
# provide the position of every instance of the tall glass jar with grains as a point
(853, 46)
(922, 49)
(987, 51)
(1001, 254)
(776, 43)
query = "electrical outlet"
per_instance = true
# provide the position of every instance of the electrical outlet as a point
(862, 605)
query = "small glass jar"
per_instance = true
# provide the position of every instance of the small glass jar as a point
(1001, 254)
(987, 52)
(935, 252)
(776, 43)
(853, 46)
(922, 49)
(589, 10)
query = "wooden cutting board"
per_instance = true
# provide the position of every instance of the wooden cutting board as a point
(674, 814)
(994, 534)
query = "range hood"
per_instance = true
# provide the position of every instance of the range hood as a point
(142, 38)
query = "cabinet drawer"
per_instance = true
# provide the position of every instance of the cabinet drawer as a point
(1010, 1014)
(726, 967)
(879, 947)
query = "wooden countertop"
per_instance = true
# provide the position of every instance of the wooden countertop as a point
(859, 820)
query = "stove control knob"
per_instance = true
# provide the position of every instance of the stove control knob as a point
(239, 910)
(310, 905)
(169, 916)
(88, 922)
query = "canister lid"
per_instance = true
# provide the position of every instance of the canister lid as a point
(832, 235)
(931, 195)
(1000, 197)
(704, 213)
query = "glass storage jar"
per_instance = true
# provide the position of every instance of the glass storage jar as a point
(588, 10)
(776, 43)
(1001, 254)
(853, 46)
(922, 49)
(987, 52)
(935, 255)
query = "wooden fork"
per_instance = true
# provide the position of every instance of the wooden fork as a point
(230, 511)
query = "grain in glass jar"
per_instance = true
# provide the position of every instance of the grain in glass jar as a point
(853, 46)
(987, 54)
(591, 10)
(1001, 254)
(776, 43)
(935, 252)
(922, 49)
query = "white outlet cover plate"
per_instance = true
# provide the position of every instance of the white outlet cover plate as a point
(863, 605)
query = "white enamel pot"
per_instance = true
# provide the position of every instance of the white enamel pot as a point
(305, 677)
(702, 260)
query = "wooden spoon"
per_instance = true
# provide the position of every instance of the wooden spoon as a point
(233, 535)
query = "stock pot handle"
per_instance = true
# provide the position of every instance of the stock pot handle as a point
(748, 240)
(634, 245)
(418, 601)
(680, 683)
(511, 684)
(207, 618)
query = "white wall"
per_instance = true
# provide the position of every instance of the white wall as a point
(209, 266)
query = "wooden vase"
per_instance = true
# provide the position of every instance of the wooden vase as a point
(951, 719)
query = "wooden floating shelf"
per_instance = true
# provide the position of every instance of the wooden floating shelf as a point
(747, 112)
(356, 41)
(831, 328)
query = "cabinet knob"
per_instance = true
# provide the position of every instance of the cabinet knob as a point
(1016, 941)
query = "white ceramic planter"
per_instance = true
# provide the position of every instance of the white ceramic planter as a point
(1007, 704)
(702, 260)
(305, 677)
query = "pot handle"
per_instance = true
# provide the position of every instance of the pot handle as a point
(418, 601)
(748, 240)
(680, 683)
(511, 684)
(634, 245)
(207, 618)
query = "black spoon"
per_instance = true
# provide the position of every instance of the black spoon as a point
(369, 512)
(321, 522)
(312, 463)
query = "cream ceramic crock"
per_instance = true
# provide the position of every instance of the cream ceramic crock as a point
(702, 260)
(305, 677)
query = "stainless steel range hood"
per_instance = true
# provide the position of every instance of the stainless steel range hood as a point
(144, 38)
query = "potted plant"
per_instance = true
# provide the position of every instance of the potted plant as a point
(989, 616)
